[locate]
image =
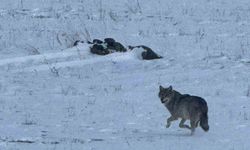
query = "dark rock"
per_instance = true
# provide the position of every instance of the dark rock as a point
(148, 53)
(99, 50)
(131, 47)
(119, 47)
(109, 41)
(77, 42)
(97, 41)
(90, 42)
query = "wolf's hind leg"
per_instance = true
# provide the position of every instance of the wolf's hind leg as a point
(169, 120)
(193, 126)
(196, 124)
(182, 125)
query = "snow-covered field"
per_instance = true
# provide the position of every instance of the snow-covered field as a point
(54, 96)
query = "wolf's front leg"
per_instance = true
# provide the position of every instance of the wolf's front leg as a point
(182, 125)
(169, 120)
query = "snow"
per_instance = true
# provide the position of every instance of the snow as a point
(55, 96)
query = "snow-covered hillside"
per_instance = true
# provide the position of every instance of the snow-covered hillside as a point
(199, 27)
(55, 96)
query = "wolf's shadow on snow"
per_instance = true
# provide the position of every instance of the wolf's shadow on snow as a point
(164, 134)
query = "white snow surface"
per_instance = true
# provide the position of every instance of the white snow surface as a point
(54, 96)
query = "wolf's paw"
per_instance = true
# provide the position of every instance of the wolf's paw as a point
(168, 125)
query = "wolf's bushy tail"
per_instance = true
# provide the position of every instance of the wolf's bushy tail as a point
(204, 121)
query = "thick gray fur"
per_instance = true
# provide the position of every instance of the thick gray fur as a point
(185, 107)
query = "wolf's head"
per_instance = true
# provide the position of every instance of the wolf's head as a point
(165, 94)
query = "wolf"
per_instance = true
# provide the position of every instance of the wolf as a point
(185, 107)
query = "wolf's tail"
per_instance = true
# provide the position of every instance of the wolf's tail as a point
(204, 121)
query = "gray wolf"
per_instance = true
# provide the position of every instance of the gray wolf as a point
(185, 107)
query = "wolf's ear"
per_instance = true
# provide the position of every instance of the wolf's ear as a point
(161, 88)
(170, 88)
